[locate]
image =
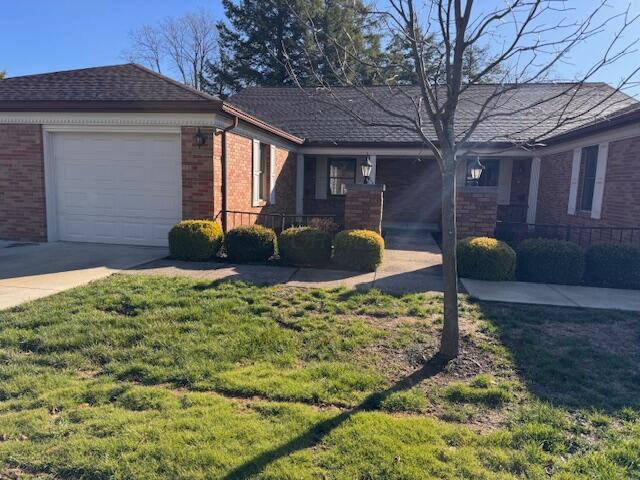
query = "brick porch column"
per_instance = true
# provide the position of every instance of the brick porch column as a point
(363, 207)
(477, 211)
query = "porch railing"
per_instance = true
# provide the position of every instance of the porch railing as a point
(512, 213)
(515, 232)
(276, 221)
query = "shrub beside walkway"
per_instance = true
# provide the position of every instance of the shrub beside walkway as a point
(412, 263)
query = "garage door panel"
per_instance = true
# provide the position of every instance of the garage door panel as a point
(117, 188)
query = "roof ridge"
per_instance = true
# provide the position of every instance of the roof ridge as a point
(174, 82)
(69, 70)
(342, 87)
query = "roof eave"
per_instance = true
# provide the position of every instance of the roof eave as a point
(602, 125)
(110, 106)
(256, 122)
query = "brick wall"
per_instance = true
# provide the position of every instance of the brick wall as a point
(197, 174)
(22, 197)
(476, 212)
(363, 207)
(621, 200)
(239, 180)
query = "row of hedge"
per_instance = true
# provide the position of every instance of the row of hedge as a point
(550, 261)
(198, 240)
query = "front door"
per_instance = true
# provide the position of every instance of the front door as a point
(412, 194)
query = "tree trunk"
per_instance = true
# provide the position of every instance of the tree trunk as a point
(450, 331)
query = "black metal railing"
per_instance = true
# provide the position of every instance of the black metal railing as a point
(515, 232)
(276, 221)
(512, 213)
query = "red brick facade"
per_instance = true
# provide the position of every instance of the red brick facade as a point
(621, 199)
(239, 181)
(363, 207)
(197, 174)
(22, 201)
(476, 212)
(23, 210)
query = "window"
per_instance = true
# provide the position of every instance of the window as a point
(588, 167)
(342, 173)
(263, 173)
(488, 177)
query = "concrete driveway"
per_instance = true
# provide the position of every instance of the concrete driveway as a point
(33, 271)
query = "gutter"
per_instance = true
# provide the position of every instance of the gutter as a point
(597, 126)
(239, 114)
(223, 172)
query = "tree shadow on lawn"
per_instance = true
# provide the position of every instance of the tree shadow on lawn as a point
(315, 435)
(572, 357)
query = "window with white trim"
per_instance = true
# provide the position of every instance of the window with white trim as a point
(586, 185)
(342, 173)
(263, 172)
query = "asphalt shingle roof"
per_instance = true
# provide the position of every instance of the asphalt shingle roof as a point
(116, 83)
(521, 114)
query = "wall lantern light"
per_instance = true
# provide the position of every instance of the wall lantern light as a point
(475, 171)
(366, 166)
(200, 139)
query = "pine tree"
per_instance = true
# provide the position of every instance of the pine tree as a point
(266, 39)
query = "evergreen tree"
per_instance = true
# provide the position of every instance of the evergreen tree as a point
(399, 65)
(266, 39)
(253, 45)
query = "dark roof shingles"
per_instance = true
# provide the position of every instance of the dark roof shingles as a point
(117, 83)
(313, 115)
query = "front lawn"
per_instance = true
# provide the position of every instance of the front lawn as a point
(151, 378)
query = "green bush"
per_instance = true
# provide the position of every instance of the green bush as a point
(358, 250)
(486, 258)
(304, 246)
(195, 240)
(253, 243)
(613, 266)
(550, 261)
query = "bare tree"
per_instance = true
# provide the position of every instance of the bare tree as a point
(523, 42)
(182, 45)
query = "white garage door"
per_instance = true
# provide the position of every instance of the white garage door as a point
(117, 187)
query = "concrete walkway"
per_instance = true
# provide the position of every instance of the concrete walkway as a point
(561, 295)
(30, 271)
(412, 263)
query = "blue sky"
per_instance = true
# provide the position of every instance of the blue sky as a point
(48, 35)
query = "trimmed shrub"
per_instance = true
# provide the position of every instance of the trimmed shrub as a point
(195, 240)
(324, 224)
(485, 258)
(550, 261)
(613, 266)
(304, 246)
(253, 243)
(358, 250)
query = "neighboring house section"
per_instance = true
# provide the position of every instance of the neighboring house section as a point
(119, 154)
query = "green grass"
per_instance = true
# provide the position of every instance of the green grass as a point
(151, 378)
(482, 390)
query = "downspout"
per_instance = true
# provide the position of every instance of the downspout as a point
(224, 171)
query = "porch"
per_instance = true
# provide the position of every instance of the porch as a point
(505, 191)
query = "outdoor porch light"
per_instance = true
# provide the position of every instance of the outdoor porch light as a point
(366, 169)
(476, 170)
(200, 138)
